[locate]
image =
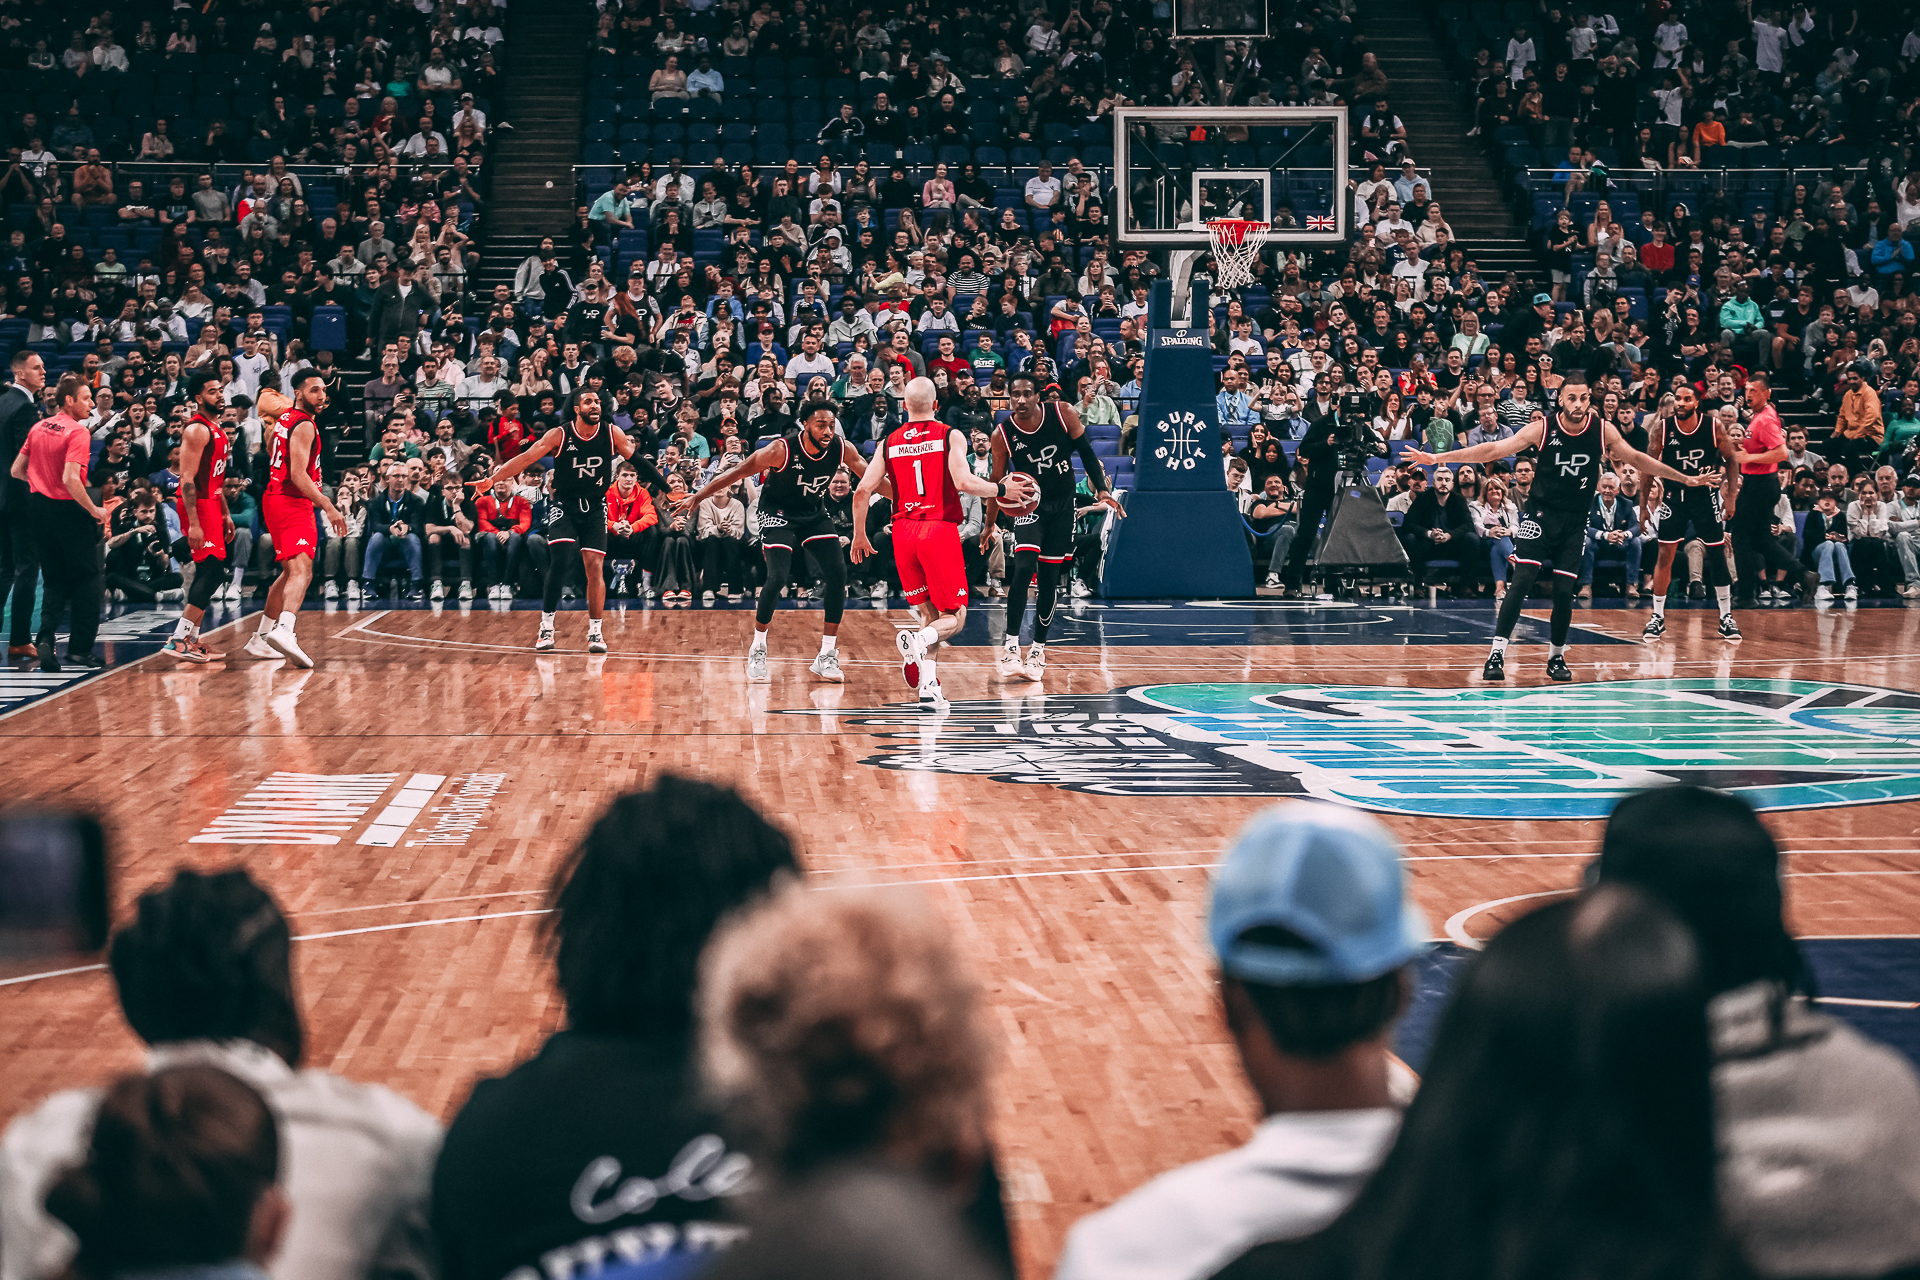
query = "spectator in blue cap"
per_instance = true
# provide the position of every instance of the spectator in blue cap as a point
(1313, 934)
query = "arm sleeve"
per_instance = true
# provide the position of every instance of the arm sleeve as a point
(1096, 474)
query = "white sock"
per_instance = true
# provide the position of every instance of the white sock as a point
(759, 644)
(1659, 604)
(1499, 644)
(829, 643)
(266, 622)
(927, 675)
(184, 630)
(1013, 645)
(929, 639)
(593, 626)
(1724, 595)
(1556, 651)
(546, 622)
(286, 619)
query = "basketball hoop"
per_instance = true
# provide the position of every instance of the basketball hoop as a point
(1236, 243)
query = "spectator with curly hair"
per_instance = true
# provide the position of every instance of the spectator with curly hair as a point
(843, 1030)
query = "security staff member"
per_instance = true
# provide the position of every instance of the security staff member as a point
(1756, 550)
(67, 524)
(19, 561)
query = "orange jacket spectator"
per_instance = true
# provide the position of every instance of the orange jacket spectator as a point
(495, 516)
(635, 508)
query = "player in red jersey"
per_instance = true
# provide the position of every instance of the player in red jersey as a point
(926, 463)
(293, 491)
(206, 528)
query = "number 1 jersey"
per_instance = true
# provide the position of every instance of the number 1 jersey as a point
(921, 473)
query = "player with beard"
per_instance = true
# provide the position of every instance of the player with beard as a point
(1687, 440)
(1039, 440)
(293, 491)
(206, 528)
(1572, 443)
(582, 452)
(799, 466)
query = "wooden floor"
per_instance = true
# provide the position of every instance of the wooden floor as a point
(1082, 906)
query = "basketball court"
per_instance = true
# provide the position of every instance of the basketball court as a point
(408, 798)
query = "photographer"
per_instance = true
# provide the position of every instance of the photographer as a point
(1342, 442)
(138, 565)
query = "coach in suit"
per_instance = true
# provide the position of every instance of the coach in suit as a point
(1613, 522)
(19, 562)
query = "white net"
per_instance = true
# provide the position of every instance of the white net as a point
(1236, 243)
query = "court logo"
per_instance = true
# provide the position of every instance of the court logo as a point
(1462, 753)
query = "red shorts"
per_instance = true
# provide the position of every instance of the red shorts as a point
(932, 566)
(291, 522)
(213, 530)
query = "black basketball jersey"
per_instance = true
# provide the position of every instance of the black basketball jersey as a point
(1567, 474)
(583, 469)
(1688, 452)
(797, 487)
(1045, 453)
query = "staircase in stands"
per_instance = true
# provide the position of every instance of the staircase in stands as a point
(1423, 93)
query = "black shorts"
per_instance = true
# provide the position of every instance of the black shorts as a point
(580, 520)
(1556, 538)
(1698, 506)
(778, 529)
(1047, 529)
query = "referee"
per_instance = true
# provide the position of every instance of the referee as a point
(1755, 548)
(67, 524)
(19, 562)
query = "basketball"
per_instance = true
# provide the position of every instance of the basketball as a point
(1013, 507)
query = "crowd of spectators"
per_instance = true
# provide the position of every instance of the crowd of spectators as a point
(760, 1079)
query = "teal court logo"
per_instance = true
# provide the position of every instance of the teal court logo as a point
(1562, 752)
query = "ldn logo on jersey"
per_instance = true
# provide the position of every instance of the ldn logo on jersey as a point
(1463, 753)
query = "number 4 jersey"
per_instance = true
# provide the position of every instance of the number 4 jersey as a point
(922, 474)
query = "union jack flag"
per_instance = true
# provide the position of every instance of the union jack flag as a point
(1321, 222)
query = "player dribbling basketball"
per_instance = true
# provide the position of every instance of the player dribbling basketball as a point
(925, 461)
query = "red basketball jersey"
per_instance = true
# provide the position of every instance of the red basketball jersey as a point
(282, 453)
(213, 459)
(922, 475)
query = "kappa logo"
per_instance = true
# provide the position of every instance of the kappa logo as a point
(1463, 753)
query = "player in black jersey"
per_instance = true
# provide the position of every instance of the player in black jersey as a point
(798, 467)
(1573, 442)
(582, 451)
(1037, 440)
(1693, 443)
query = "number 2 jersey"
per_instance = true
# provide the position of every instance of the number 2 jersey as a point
(922, 473)
(1567, 474)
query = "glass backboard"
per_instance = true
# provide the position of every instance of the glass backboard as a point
(1177, 167)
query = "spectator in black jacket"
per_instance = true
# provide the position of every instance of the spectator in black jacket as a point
(553, 1156)
(1439, 526)
(396, 528)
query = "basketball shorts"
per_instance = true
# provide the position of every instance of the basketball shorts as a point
(1699, 508)
(1047, 529)
(778, 529)
(1556, 539)
(933, 569)
(213, 534)
(291, 523)
(579, 521)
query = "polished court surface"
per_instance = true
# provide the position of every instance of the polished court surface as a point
(408, 798)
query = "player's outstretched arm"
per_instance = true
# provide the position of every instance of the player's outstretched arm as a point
(765, 458)
(1018, 487)
(1527, 437)
(625, 447)
(508, 470)
(1649, 465)
(863, 492)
